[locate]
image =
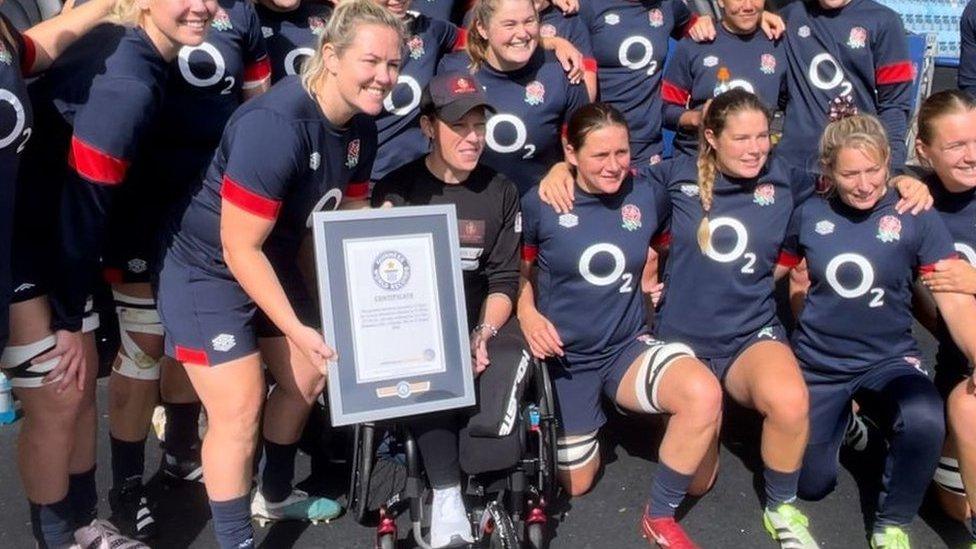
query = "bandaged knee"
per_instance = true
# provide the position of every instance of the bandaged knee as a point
(16, 362)
(90, 322)
(947, 476)
(576, 451)
(136, 315)
(654, 362)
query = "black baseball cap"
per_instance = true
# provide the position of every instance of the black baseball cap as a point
(451, 95)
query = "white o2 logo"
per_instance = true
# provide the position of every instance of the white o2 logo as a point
(738, 249)
(867, 279)
(414, 101)
(967, 252)
(334, 194)
(644, 59)
(20, 120)
(741, 84)
(833, 67)
(293, 65)
(521, 134)
(219, 65)
(617, 274)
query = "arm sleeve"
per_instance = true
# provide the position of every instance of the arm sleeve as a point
(264, 155)
(502, 266)
(934, 241)
(684, 19)
(358, 188)
(530, 224)
(576, 98)
(894, 77)
(967, 49)
(580, 37)
(662, 201)
(107, 132)
(803, 184)
(789, 252)
(676, 85)
(26, 50)
(257, 64)
(451, 37)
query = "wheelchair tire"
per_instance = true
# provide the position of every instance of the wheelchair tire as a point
(536, 536)
(503, 534)
(386, 541)
(362, 471)
(547, 434)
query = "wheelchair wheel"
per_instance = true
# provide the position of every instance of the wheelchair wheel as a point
(536, 536)
(362, 471)
(547, 433)
(386, 541)
(499, 528)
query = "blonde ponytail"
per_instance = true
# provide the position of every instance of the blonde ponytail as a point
(126, 13)
(706, 188)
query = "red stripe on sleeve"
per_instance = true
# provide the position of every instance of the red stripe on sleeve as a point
(672, 93)
(113, 275)
(930, 268)
(894, 73)
(29, 56)
(564, 131)
(248, 200)
(690, 24)
(192, 356)
(357, 190)
(257, 72)
(529, 252)
(787, 259)
(589, 64)
(462, 39)
(662, 240)
(95, 165)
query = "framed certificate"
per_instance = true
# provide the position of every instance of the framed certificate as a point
(392, 303)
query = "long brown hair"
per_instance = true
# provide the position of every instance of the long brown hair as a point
(721, 109)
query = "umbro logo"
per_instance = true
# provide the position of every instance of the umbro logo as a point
(314, 161)
(267, 32)
(568, 220)
(223, 343)
(690, 190)
(824, 227)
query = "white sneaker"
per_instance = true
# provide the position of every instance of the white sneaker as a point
(101, 534)
(297, 506)
(449, 524)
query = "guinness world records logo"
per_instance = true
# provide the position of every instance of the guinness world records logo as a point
(391, 270)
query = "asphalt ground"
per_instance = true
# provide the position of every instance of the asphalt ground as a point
(727, 517)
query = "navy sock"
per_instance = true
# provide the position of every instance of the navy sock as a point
(780, 487)
(232, 523)
(182, 430)
(127, 460)
(279, 470)
(83, 497)
(667, 491)
(51, 524)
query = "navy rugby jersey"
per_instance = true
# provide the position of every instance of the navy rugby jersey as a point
(553, 22)
(862, 264)
(97, 103)
(279, 159)
(16, 125)
(858, 50)
(699, 72)
(590, 262)
(958, 213)
(967, 49)
(712, 299)
(532, 106)
(451, 11)
(291, 35)
(630, 43)
(400, 138)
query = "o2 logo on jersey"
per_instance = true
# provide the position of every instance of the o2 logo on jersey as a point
(20, 121)
(739, 246)
(616, 273)
(413, 87)
(967, 252)
(866, 272)
(329, 202)
(216, 64)
(295, 59)
(517, 144)
(826, 64)
(643, 58)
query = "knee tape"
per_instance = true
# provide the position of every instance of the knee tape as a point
(90, 322)
(947, 476)
(136, 315)
(654, 362)
(573, 452)
(16, 362)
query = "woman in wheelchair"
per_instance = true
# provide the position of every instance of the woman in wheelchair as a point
(581, 309)
(453, 113)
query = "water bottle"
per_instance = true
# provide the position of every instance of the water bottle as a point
(8, 412)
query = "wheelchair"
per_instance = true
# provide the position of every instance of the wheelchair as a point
(507, 507)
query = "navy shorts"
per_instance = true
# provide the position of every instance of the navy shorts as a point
(831, 394)
(951, 365)
(210, 320)
(578, 386)
(720, 365)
